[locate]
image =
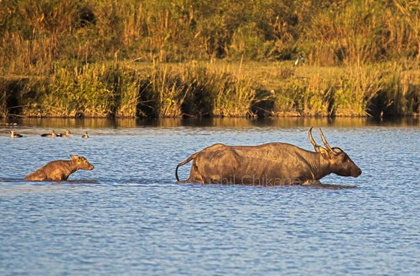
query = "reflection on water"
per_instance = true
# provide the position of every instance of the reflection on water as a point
(333, 187)
(40, 188)
(62, 123)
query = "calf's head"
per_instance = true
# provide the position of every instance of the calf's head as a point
(81, 163)
(339, 162)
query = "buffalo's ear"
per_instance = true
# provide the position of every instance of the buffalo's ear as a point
(74, 157)
(323, 152)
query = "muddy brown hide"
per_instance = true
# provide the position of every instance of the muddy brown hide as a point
(60, 170)
(268, 164)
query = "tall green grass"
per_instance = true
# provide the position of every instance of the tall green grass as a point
(195, 90)
(209, 89)
(89, 90)
(117, 90)
(34, 34)
(372, 90)
(80, 58)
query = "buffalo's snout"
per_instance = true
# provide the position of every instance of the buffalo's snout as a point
(86, 166)
(356, 172)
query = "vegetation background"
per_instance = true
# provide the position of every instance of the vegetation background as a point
(172, 58)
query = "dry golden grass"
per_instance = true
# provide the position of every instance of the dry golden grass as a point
(216, 88)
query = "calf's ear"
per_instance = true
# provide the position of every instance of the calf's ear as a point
(74, 157)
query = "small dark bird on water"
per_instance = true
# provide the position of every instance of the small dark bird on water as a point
(85, 135)
(15, 135)
(52, 134)
(65, 135)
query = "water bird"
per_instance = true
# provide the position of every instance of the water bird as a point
(300, 59)
(15, 135)
(85, 135)
(52, 134)
(65, 135)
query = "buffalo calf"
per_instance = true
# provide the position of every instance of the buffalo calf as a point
(60, 170)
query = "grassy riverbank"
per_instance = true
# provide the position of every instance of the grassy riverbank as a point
(202, 58)
(213, 89)
(197, 89)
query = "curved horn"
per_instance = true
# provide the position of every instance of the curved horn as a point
(325, 141)
(312, 138)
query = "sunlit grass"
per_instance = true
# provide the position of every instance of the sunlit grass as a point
(206, 58)
(221, 89)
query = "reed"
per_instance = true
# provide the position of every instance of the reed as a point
(161, 94)
(81, 58)
(304, 97)
(86, 91)
(195, 90)
(352, 91)
(35, 34)
(360, 32)
(200, 89)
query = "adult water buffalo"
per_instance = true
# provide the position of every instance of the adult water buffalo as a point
(268, 164)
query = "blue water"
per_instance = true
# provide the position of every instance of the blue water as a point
(128, 217)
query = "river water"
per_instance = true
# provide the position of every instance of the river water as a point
(129, 217)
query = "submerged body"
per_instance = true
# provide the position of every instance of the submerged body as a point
(60, 170)
(267, 164)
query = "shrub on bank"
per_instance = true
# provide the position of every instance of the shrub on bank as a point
(372, 90)
(199, 90)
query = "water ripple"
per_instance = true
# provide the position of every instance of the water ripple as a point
(128, 217)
